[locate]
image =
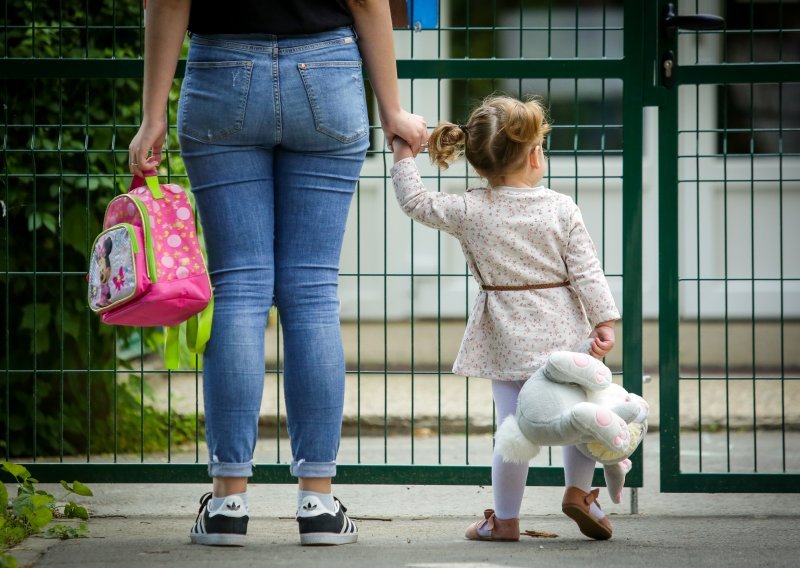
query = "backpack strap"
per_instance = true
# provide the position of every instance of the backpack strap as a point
(151, 181)
(198, 329)
(172, 347)
(198, 332)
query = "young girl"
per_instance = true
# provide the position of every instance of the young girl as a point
(543, 289)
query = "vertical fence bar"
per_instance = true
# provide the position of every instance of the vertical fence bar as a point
(632, 135)
(6, 300)
(725, 279)
(753, 269)
(698, 271)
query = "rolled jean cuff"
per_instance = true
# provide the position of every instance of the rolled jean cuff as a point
(219, 469)
(303, 468)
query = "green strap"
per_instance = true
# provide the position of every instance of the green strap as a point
(198, 332)
(172, 347)
(198, 329)
(155, 188)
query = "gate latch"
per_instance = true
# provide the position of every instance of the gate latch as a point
(668, 69)
(670, 22)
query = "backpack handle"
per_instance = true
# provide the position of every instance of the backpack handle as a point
(151, 181)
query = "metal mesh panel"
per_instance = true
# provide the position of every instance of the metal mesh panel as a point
(739, 285)
(98, 395)
(730, 294)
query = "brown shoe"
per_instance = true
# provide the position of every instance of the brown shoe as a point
(576, 506)
(499, 529)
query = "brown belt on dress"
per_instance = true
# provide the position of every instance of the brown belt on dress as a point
(524, 287)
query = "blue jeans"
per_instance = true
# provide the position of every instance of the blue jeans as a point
(273, 132)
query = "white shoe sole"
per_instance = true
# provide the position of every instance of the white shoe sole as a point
(322, 539)
(219, 539)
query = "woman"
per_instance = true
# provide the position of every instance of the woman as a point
(273, 130)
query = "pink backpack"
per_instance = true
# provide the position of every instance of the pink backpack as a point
(147, 268)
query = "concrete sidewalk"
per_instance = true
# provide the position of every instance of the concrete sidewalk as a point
(422, 526)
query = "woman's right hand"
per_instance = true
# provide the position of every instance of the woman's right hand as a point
(144, 152)
(410, 127)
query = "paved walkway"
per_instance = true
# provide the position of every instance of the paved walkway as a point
(422, 526)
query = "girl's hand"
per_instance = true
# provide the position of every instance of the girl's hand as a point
(410, 127)
(150, 136)
(603, 336)
(401, 149)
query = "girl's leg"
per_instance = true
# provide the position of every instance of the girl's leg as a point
(578, 472)
(508, 479)
(578, 469)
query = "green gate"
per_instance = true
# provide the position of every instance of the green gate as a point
(75, 395)
(729, 134)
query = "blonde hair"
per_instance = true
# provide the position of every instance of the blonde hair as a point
(498, 136)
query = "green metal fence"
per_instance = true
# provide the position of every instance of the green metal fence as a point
(84, 401)
(730, 287)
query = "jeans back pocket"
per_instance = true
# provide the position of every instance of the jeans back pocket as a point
(214, 99)
(335, 92)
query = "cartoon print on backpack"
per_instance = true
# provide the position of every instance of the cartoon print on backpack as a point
(103, 258)
(112, 274)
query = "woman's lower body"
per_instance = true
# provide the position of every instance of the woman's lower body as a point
(509, 479)
(273, 133)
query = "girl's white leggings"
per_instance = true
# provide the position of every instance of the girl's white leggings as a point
(508, 479)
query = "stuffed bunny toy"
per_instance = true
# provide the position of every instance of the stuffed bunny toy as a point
(572, 401)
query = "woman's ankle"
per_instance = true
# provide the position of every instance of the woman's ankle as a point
(224, 486)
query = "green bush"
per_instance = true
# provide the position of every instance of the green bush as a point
(32, 509)
(64, 157)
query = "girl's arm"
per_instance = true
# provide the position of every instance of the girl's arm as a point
(373, 23)
(586, 275)
(165, 27)
(433, 209)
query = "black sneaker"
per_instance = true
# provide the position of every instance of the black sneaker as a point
(227, 526)
(320, 525)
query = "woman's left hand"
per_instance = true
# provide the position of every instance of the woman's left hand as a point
(410, 127)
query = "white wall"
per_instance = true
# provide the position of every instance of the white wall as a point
(379, 237)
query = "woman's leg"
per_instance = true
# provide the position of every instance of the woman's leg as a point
(508, 479)
(236, 210)
(322, 145)
(312, 199)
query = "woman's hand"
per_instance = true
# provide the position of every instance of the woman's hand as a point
(150, 137)
(603, 336)
(410, 127)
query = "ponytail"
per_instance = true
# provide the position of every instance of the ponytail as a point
(446, 144)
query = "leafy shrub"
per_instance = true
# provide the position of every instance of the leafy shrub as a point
(32, 509)
(64, 157)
